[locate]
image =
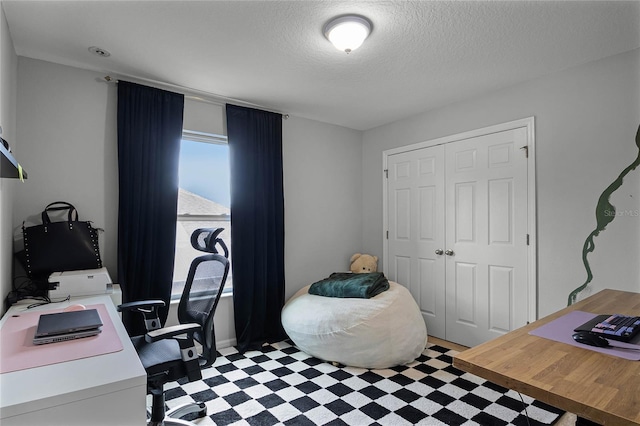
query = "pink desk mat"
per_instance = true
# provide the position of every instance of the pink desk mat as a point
(561, 330)
(17, 351)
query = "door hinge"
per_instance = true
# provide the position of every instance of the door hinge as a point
(386, 173)
(526, 151)
(527, 239)
(387, 235)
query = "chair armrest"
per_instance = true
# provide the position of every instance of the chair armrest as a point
(188, 350)
(140, 305)
(148, 309)
(168, 332)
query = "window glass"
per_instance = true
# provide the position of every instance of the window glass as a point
(203, 199)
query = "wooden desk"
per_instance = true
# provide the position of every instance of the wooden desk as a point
(598, 387)
(107, 389)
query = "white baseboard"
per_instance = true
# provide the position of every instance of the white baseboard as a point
(221, 344)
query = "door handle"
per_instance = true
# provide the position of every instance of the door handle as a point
(449, 252)
(439, 251)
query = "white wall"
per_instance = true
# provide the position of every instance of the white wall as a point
(8, 187)
(67, 127)
(586, 121)
(67, 124)
(323, 202)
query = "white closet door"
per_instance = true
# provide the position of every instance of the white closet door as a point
(486, 236)
(415, 194)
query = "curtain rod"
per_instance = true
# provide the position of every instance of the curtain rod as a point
(210, 98)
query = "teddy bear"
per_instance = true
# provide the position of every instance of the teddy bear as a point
(363, 263)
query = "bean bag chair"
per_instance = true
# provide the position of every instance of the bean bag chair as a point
(379, 332)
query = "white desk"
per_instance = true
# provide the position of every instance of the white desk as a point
(108, 389)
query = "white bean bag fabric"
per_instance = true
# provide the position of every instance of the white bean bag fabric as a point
(380, 332)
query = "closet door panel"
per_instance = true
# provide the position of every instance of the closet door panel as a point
(415, 194)
(486, 222)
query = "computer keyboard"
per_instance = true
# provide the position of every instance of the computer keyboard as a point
(617, 326)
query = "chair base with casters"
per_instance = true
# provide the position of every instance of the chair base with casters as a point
(185, 409)
(173, 416)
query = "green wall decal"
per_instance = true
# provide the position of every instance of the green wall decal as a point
(605, 213)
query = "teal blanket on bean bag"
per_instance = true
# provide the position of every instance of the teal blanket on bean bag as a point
(347, 284)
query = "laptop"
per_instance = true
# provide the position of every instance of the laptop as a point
(70, 325)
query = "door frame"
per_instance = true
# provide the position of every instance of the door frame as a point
(532, 255)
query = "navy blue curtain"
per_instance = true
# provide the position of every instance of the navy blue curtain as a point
(149, 134)
(257, 224)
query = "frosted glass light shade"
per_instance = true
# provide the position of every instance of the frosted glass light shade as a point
(347, 33)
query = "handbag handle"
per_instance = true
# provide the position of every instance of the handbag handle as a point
(56, 206)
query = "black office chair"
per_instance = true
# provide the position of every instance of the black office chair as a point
(169, 353)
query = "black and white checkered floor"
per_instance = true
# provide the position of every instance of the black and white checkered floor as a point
(281, 385)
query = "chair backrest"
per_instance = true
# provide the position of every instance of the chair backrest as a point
(202, 291)
(206, 239)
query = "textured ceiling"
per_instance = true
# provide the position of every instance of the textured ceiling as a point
(420, 55)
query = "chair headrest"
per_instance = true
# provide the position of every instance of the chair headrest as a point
(205, 239)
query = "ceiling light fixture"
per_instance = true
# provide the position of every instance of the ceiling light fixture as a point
(347, 32)
(99, 51)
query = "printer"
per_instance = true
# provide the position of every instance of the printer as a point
(84, 282)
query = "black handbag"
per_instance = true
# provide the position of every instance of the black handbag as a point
(60, 246)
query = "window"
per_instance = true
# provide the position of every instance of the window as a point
(203, 199)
